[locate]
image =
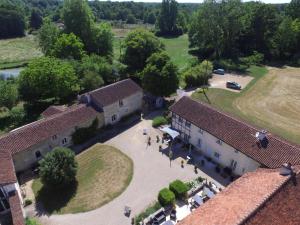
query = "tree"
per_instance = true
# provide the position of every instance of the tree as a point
(198, 75)
(167, 18)
(91, 81)
(9, 94)
(102, 42)
(131, 19)
(78, 19)
(12, 23)
(160, 75)
(98, 65)
(58, 168)
(17, 115)
(47, 36)
(47, 78)
(138, 46)
(68, 46)
(293, 9)
(166, 197)
(36, 19)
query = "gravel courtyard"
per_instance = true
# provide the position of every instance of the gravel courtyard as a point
(152, 172)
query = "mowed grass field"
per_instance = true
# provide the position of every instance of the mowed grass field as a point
(16, 52)
(104, 172)
(271, 101)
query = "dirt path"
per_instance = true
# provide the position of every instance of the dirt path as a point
(274, 102)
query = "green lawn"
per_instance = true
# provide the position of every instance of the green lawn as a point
(17, 52)
(177, 48)
(104, 173)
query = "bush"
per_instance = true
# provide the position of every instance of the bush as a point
(81, 135)
(179, 189)
(27, 202)
(255, 59)
(200, 179)
(17, 115)
(58, 168)
(166, 197)
(147, 212)
(30, 221)
(158, 121)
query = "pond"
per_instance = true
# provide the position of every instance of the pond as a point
(13, 72)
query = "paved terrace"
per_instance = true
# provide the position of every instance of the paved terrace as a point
(152, 172)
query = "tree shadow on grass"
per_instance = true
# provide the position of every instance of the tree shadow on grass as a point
(51, 200)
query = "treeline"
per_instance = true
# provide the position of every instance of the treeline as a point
(233, 30)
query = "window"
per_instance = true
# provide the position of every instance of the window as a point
(187, 124)
(219, 142)
(64, 141)
(200, 131)
(113, 118)
(199, 142)
(54, 137)
(38, 154)
(180, 120)
(121, 103)
(217, 155)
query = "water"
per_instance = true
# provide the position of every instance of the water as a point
(14, 72)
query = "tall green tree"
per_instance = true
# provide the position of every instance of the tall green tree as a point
(293, 9)
(36, 19)
(12, 23)
(68, 46)
(47, 36)
(47, 78)
(168, 17)
(160, 76)
(138, 46)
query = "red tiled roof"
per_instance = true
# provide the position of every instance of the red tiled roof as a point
(7, 171)
(53, 109)
(112, 93)
(237, 134)
(239, 200)
(282, 208)
(34, 133)
(16, 210)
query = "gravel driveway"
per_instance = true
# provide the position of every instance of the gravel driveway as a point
(219, 81)
(152, 172)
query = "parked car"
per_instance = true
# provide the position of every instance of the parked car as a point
(233, 85)
(219, 71)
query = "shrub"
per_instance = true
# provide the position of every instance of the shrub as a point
(200, 179)
(166, 197)
(147, 212)
(158, 121)
(27, 202)
(81, 135)
(30, 221)
(58, 168)
(255, 59)
(179, 189)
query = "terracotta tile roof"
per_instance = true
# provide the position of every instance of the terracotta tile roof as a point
(16, 210)
(237, 134)
(53, 109)
(34, 133)
(239, 200)
(112, 93)
(7, 171)
(282, 208)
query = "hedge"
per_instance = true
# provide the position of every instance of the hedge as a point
(158, 121)
(179, 189)
(166, 197)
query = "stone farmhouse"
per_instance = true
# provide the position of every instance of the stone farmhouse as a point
(229, 141)
(21, 148)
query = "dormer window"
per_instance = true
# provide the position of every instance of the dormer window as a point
(200, 131)
(219, 142)
(121, 103)
(180, 120)
(187, 124)
(54, 137)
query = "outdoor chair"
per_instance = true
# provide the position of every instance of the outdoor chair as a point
(173, 214)
(127, 211)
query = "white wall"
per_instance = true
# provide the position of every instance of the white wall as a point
(210, 147)
(130, 105)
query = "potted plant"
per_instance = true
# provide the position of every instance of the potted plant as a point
(195, 169)
(182, 163)
(160, 148)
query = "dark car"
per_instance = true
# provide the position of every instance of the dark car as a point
(219, 71)
(233, 85)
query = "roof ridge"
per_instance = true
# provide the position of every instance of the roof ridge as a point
(107, 86)
(244, 122)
